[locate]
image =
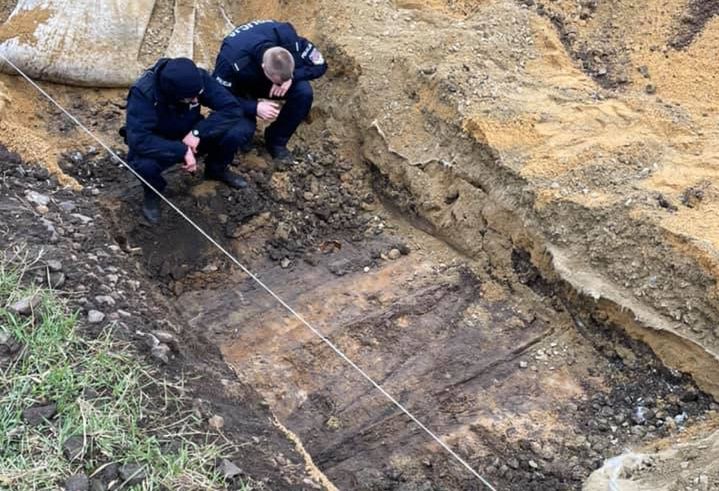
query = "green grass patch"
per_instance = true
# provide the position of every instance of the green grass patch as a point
(123, 410)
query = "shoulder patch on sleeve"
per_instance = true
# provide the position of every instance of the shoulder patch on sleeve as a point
(223, 82)
(316, 57)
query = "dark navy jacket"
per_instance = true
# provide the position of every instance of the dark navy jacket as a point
(239, 63)
(156, 124)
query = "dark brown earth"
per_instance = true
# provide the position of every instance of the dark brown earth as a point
(528, 379)
(450, 340)
(692, 23)
(76, 232)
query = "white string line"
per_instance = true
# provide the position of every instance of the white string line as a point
(258, 281)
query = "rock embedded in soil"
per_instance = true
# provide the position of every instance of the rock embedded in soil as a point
(26, 305)
(216, 422)
(132, 474)
(161, 352)
(394, 254)
(36, 198)
(228, 469)
(8, 345)
(38, 414)
(56, 280)
(110, 472)
(105, 299)
(95, 317)
(74, 448)
(67, 206)
(79, 482)
(167, 338)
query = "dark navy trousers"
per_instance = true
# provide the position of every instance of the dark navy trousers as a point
(219, 153)
(298, 102)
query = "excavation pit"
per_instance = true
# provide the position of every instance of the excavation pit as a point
(532, 387)
(482, 210)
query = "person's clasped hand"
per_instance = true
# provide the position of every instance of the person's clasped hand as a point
(280, 90)
(192, 143)
(268, 110)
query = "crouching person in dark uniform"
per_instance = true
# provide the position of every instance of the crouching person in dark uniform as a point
(268, 59)
(165, 127)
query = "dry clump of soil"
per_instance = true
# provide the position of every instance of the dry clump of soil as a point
(40, 133)
(23, 25)
(6, 8)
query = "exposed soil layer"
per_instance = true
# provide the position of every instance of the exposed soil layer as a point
(6, 8)
(533, 392)
(96, 274)
(692, 23)
(476, 222)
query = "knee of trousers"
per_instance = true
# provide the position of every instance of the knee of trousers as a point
(147, 167)
(240, 133)
(302, 92)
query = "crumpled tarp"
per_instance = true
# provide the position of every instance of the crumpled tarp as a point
(86, 43)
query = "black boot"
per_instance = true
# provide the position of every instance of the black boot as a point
(228, 177)
(280, 154)
(151, 207)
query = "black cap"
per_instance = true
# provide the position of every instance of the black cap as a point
(181, 79)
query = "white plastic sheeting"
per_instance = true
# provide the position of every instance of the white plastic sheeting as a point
(91, 43)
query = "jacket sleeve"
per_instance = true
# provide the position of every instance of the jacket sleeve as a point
(226, 109)
(141, 122)
(226, 76)
(309, 62)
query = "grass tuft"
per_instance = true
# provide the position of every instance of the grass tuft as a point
(123, 410)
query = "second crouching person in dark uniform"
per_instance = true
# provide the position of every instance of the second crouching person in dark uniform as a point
(165, 127)
(265, 59)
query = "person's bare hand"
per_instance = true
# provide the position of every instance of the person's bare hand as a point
(190, 164)
(267, 110)
(191, 141)
(280, 90)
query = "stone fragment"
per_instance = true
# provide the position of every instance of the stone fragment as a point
(132, 474)
(78, 482)
(36, 198)
(95, 317)
(57, 280)
(228, 470)
(216, 422)
(161, 352)
(36, 415)
(26, 305)
(167, 338)
(105, 299)
(73, 448)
